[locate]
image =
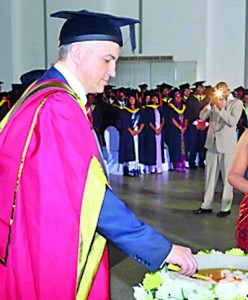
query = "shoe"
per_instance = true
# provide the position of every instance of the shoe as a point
(125, 171)
(201, 211)
(193, 167)
(222, 214)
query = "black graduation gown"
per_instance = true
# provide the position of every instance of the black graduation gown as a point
(174, 137)
(150, 136)
(126, 144)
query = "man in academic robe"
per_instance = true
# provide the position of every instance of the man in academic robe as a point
(57, 207)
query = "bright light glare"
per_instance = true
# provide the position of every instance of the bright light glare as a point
(219, 93)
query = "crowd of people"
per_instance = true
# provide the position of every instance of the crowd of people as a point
(150, 121)
(58, 208)
(56, 165)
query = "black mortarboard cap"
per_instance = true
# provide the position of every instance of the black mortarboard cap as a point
(154, 93)
(174, 92)
(143, 86)
(123, 90)
(84, 25)
(184, 86)
(16, 86)
(132, 93)
(31, 76)
(109, 87)
(197, 83)
(1, 82)
(239, 89)
(165, 86)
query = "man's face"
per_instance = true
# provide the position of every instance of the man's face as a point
(246, 100)
(97, 64)
(200, 90)
(187, 92)
(166, 92)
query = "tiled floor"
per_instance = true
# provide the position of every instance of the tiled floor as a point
(166, 202)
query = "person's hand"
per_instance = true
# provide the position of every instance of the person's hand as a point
(183, 130)
(135, 132)
(182, 256)
(158, 131)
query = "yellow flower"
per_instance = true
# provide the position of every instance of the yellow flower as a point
(152, 281)
(235, 252)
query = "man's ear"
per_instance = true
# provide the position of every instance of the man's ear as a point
(77, 53)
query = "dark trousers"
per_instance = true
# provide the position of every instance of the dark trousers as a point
(197, 139)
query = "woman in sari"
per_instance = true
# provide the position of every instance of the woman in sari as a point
(238, 178)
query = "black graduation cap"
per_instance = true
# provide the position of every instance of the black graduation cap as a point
(239, 91)
(132, 93)
(31, 76)
(154, 93)
(123, 90)
(109, 87)
(165, 86)
(143, 86)
(16, 86)
(1, 82)
(245, 92)
(84, 25)
(174, 92)
(197, 83)
(184, 86)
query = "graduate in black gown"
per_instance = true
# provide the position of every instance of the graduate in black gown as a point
(178, 124)
(130, 127)
(154, 121)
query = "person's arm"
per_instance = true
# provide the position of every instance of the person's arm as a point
(158, 130)
(139, 240)
(231, 117)
(236, 176)
(175, 123)
(205, 112)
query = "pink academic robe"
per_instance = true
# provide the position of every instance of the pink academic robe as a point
(43, 250)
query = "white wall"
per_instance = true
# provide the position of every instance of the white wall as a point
(210, 32)
(6, 44)
(178, 28)
(226, 41)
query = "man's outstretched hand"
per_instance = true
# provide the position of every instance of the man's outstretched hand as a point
(182, 256)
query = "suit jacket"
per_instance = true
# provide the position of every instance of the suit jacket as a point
(222, 127)
(121, 226)
(193, 108)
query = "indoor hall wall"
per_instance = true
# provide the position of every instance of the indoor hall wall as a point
(6, 45)
(207, 31)
(226, 41)
(127, 8)
(184, 29)
(22, 39)
(177, 28)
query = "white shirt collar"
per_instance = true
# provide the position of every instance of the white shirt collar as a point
(73, 82)
(230, 97)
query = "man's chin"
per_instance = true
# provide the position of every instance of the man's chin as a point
(99, 89)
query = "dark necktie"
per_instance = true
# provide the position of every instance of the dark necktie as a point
(89, 112)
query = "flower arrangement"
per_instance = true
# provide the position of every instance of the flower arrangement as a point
(165, 285)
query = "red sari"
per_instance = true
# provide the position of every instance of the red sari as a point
(242, 225)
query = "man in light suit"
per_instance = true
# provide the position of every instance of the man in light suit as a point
(224, 112)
